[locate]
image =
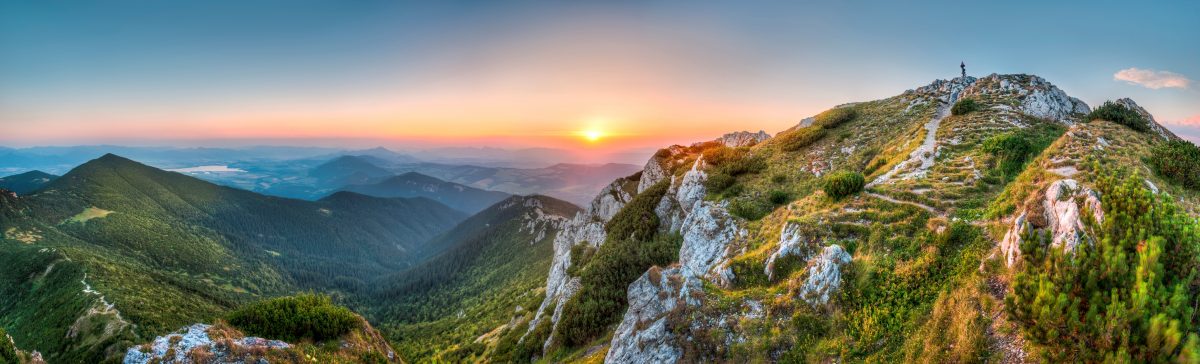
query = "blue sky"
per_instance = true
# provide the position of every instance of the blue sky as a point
(530, 73)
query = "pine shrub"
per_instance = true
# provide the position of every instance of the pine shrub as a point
(1127, 294)
(844, 183)
(1120, 114)
(294, 318)
(1177, 161)
(965, 106)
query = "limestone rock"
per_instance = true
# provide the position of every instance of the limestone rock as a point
(1063, 203)
(643, 336)
(791, 243)
(824, 275)
(707, 232)
(743, 138)
(192, 338)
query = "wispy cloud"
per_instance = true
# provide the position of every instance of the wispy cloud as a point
(1152, 79)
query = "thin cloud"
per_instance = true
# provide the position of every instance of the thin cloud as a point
(1152, 79)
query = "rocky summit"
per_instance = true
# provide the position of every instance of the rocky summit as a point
(768, 264)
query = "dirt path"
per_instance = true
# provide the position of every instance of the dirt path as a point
(931, 210)
(924, 154)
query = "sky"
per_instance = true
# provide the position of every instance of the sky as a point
(631, 74)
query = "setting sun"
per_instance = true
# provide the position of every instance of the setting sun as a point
(592, 135)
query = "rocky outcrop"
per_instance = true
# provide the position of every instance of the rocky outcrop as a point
(824, 275)
(1154, 125)
(691, 189)
(1063, 213)
(536, 221)
(586, 227)
(743, 138)
(791, 243)
(192, 344)
(1062, 205)
(643, 335)
(1034, 95)
(707, 232)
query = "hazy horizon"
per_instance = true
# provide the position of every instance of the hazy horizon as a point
(594, 78)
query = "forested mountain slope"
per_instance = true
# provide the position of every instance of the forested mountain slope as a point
(125, 251)
(447, 308)
(26, 182)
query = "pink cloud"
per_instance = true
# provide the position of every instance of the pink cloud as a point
(1152, 79)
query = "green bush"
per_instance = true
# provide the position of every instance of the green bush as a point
(833, 117)
(1120, 114)
(965, 106)
(1177, 161)
(294, 318)
(842, 184)
(1127, 294)
(800, 138)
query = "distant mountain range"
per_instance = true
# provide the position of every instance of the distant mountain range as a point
(412, 184)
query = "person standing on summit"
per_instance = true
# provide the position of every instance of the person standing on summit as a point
(963, 65)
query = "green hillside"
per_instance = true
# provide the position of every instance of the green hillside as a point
(451, 307)
(166, 250)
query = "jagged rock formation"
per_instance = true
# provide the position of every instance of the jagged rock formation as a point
(643, 336)
(586, 228)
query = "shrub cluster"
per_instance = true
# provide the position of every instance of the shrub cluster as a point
(965, 106)
(1120, 114)
(1126, 295)
(843, 183)
(294, 318)
(1178, 161)
(800, 138)
(833, 117)
(728, 163)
